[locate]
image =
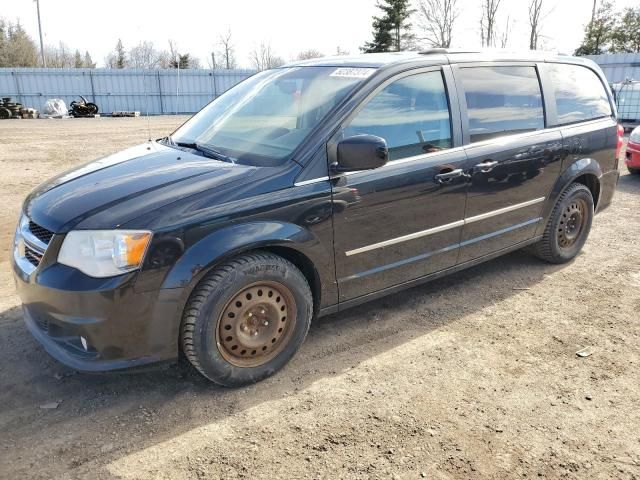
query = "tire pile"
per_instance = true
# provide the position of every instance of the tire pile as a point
(9, 109)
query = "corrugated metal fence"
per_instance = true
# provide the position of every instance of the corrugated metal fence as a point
(618, 67)
(156, 91)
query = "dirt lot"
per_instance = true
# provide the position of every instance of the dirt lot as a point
(472, 376)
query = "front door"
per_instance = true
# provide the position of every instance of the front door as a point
(404, 220)
(513, 161)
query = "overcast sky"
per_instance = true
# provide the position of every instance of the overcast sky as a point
(289, 25)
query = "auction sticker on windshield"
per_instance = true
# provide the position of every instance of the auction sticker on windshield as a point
(352, 72)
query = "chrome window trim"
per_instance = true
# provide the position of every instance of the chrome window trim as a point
(442, 228)
(496, 140)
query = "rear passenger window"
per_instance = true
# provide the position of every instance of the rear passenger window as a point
(580, 95)
(502, 101)
(411, 114)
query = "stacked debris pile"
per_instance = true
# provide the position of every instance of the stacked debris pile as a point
(10, 109)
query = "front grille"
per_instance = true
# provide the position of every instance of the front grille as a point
(40, 233)
(34, 257)
(43, 324)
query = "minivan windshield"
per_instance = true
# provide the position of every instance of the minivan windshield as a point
(262, 120)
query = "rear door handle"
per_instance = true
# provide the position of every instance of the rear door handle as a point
(444, 178)
(486, 166)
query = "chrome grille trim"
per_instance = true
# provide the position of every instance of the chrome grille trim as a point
(31, 239)
(40, 233)
(28, 246)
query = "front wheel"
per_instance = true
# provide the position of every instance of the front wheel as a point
(246, 319)
(568, 227)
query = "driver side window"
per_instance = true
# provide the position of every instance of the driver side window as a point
(411, 114)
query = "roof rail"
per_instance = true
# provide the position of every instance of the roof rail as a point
(429, 51)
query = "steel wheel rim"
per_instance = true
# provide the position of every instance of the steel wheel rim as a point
(572, 223)
(256, 324)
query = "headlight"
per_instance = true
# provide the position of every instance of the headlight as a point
(635, 135)
(104, 253)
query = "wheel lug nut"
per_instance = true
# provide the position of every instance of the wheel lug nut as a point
(266, 322)
(255, 334)
(250, 314)
(262, 312)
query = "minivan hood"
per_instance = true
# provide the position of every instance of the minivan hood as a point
(118, 188)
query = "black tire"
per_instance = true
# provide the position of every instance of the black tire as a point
(205, 317)
(92, 108)
(634, 171)
(556, 245)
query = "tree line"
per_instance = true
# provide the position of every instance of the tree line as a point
(18, 49)
(401, 25)
(407, 25)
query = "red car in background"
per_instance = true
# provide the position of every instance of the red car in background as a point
(632, 155)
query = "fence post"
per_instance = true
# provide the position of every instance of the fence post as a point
(93, 90)
(160, 92)
(17, 81)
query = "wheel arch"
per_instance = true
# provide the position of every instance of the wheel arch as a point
(290, 241)
(586, 171)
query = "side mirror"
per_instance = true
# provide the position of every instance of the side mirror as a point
(361, 152)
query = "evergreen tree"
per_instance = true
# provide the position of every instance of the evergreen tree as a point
(121, 56)
(88, 61)
(392, 30)
(184, 60)
(17, 48)
(77, 60)
(599, 32)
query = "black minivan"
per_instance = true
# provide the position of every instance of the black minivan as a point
(308, 189)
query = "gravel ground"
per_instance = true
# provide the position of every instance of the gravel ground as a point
(472, 376)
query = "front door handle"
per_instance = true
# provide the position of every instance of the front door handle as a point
(486, 166)
(444, 178)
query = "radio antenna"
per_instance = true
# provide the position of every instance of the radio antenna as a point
(146, 100)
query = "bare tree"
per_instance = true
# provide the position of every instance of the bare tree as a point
(309, 54)
(488, 22)
(262, 57)
(437, 18)
(341, 52)
(59, 57)
(144, 55)
(535, 13)
(227, 53)
(504, 36)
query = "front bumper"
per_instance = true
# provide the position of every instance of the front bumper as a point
(121, 327)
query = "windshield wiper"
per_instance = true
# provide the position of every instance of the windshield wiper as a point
(205, 149)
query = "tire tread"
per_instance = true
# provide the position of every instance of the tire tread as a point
(210, 283)
(544, 248)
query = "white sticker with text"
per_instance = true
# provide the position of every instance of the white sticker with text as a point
(352, 72)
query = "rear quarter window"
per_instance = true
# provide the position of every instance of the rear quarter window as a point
(502, 100)
(580, 95)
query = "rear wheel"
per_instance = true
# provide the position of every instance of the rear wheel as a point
(568, 227)
(246, 319)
